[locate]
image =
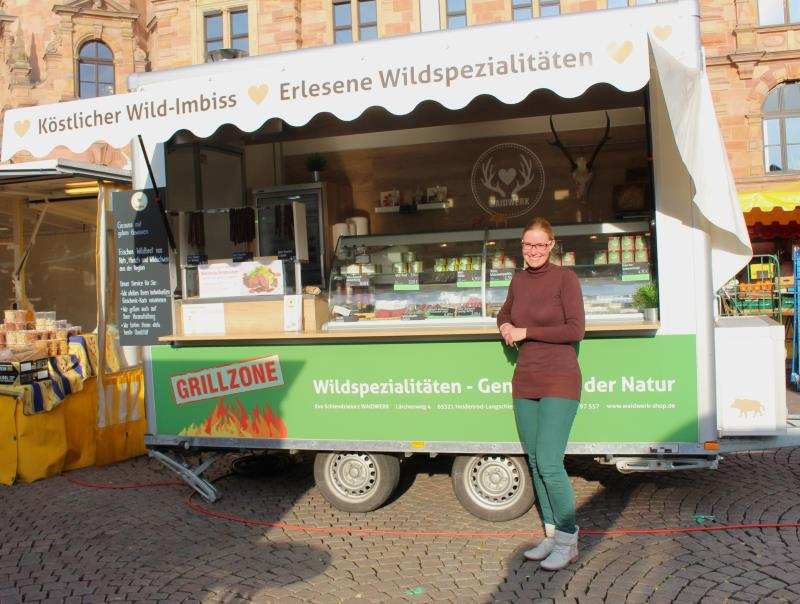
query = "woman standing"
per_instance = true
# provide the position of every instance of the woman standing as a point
(544, 316)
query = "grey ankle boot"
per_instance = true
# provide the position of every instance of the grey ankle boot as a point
(544, 547)
(565, 551)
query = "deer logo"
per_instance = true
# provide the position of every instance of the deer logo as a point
(507, 180)
(582, 169)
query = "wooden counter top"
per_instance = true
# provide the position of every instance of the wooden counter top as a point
(421, 334)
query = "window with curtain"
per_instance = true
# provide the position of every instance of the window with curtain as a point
(781, 126)
(95, 70)
(778, 12)
(456, 14)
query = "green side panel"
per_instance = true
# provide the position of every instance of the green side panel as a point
(635, 390)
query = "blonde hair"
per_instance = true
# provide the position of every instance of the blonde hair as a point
(540, 224)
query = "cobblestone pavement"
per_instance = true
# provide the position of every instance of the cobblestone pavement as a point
(63, 542)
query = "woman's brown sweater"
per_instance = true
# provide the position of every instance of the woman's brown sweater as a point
(548, 302)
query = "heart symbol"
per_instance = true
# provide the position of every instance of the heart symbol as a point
(21, 127)
(620, 52)
(258, 93)
(663, 32)
(507, 176)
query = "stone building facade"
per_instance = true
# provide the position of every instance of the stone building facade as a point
(752, 47)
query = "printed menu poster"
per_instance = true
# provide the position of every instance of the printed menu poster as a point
(260, 276)
(143, 271)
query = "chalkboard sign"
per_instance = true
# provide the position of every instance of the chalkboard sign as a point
(636, 271)
(143, 271)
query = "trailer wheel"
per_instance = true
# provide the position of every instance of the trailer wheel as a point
(356, 481)
(493, 487)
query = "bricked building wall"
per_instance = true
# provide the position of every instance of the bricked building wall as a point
(40, 41)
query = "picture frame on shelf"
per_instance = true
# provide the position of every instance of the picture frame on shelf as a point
(390, 198)
(631, 197)
(437, 194)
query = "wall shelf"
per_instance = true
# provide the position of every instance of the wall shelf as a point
(411, 208)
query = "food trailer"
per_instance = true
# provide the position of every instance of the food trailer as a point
(353, 317)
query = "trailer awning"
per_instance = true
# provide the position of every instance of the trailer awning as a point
(567, 55)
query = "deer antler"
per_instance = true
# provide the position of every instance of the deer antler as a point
(557, 143)
(488, 177)
(602, 142)
(526, 172)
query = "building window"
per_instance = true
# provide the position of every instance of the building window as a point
(456, 13)
(239, 30)
(95, 70)
(228, 28)
(617, 4)
(777, 12)
(781, 124)
(342, 22)
(549, 8)
(213, 32)
(367, 20)
(522, 9)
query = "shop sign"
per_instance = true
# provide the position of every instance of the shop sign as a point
(507, 180)
(230, 279)
(634, 390)
(235, 378)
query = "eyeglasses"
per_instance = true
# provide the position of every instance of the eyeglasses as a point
(539, 247)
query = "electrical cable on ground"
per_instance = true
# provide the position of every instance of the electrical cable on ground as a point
(334, 530)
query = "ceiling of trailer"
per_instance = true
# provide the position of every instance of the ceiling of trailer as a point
(64, 212)
(429, 113)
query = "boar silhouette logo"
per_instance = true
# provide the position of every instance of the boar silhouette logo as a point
(746, 406)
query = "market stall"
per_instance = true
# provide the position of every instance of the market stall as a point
(353, 316)
(50, 280)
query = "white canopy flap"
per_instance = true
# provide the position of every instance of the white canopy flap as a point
(567, 55)
(687, 95)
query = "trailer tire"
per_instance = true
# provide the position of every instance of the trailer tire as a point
(355, 481)
(493, 487)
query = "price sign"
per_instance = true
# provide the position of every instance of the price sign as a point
(636, 271)
(500, 277)
(468, 279)
(196, 259)
(242, 256)
(408, 282)
(357, 280)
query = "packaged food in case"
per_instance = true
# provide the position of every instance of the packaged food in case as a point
(453, 264)
(614, 257)
(367, 269)
(628, 242)
(466, 263)
(440, 265)
(510, 262)
(399, 268)
(628, 256)
(601, 257)
(614, 244)
(498, 260)
(639, 243)
(416, 266)
(641, 256)
(568, 259)
(409, 256)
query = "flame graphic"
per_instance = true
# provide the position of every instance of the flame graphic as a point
(234, 420)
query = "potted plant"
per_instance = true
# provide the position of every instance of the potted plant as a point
(646, 299)
(316, 164)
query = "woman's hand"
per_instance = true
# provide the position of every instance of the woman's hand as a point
(512, 334)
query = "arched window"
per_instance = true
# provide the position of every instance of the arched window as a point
(781, 123)
(95, 70)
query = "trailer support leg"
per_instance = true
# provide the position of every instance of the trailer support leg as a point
(191, 476)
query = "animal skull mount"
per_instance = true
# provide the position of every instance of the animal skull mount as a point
(582, 168)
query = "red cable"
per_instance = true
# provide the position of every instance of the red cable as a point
(334, 530)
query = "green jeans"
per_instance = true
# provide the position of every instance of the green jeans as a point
(543, 425)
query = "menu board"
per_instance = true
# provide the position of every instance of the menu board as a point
(143, 271)
(222, 279)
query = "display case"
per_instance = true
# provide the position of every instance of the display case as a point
(462, 277)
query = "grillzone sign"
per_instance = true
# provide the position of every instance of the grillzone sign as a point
(254, 374)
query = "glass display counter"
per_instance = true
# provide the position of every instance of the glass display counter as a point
(462, 277)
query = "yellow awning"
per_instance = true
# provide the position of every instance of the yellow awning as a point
(769, 200)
